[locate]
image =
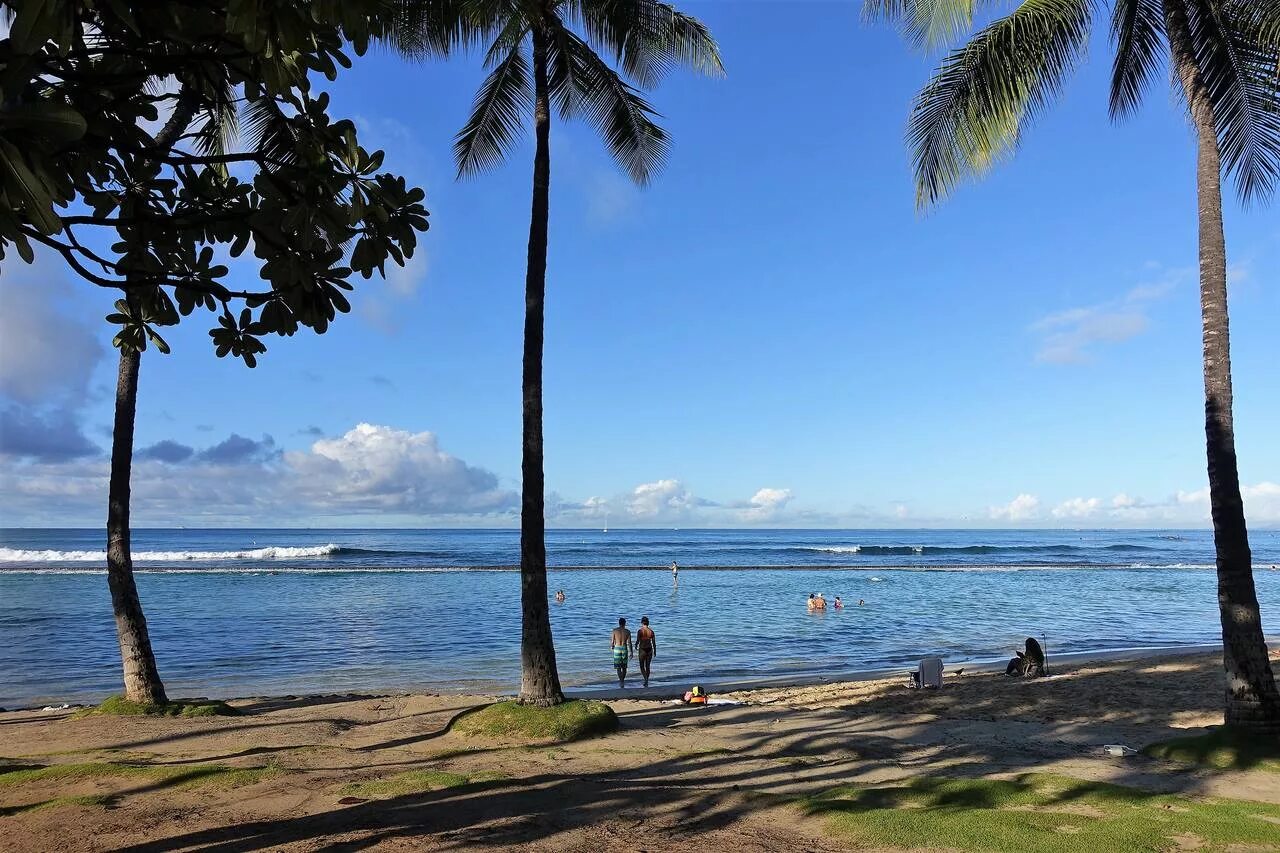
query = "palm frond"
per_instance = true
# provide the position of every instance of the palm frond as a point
(425, 29)
(927, 24)
(647, 38)
(497, 116)
(270, 132)
(624, 119)
(567, 79)
(1137, 27)
(1236, 61)
(974, 109)
(221, 123)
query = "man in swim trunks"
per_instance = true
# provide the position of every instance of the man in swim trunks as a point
(646, 648)
(620, 645)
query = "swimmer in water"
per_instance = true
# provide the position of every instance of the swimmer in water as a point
(560, 596)
(839, 605)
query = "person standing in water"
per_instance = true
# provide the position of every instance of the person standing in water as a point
(620, 645)
(675, 572)
(646, 648)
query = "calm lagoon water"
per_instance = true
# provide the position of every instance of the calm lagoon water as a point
(252, 612)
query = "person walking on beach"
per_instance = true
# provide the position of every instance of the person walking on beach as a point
(646, 648)
(620, 645)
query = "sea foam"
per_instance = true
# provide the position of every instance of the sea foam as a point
(270, 552)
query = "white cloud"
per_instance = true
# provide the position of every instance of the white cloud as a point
(1078, 508)
(47, 358)
(662, 499)
(766, 504)
(1021, 508)
(404, 281)
(46, 355)
(1070, 336)
(379, 468)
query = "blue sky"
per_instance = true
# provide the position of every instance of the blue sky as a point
(770, 334)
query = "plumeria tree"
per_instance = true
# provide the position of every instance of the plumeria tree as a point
(150, 145)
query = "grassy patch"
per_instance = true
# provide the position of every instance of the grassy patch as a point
(121, 707)
(1223, 748)
(98, 800)
(169, 776)
(414, 782)
(573, 720)
(1042, 813)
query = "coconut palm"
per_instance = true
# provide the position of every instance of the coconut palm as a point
(540, 61)
(1224, 59)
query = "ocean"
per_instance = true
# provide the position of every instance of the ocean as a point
(267, 612)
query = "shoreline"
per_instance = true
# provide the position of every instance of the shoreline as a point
(1135, 654)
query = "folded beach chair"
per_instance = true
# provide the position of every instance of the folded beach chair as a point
(929, 674)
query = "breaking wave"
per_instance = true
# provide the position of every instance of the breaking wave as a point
(270, 552)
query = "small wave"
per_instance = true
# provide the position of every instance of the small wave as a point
(270, 552)
(966, 549)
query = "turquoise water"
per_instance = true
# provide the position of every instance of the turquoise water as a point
(400, 610)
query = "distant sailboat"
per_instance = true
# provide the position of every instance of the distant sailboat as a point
(606, 522)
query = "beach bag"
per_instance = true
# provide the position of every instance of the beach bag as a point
(695, 696)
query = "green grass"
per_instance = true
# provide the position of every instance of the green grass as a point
(95, 800)
(1223, 748)
(121, 707)
(219, 775)
(1040, 813)
(414, 782)
(573, 720)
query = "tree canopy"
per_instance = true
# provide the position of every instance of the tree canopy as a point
(149, 144)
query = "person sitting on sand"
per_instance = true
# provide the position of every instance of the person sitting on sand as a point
(1028, 664)
(620, 645)
(646, 648)
(560, 596)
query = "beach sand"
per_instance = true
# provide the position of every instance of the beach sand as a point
(718, 778)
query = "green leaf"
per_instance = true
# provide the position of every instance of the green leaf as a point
(55, 122)
(22, 183)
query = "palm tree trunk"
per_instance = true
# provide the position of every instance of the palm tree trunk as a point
(539, 680)
(141, 677)
(1252, 700)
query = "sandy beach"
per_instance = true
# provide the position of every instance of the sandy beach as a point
(363, 771)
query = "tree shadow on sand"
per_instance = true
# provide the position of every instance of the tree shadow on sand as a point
(763, 756)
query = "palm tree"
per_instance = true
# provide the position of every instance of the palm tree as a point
(1224, 56)
(537, 37)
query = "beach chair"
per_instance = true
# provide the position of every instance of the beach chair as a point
(929, 674)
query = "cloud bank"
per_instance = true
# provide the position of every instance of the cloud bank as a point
(371, 474)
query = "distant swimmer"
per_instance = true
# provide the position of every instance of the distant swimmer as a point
(675, 572)
(646, 648)
(620, 646)
(861, 602)
(839, 605)
(817, 602)
(813, 601)
(560, 596)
